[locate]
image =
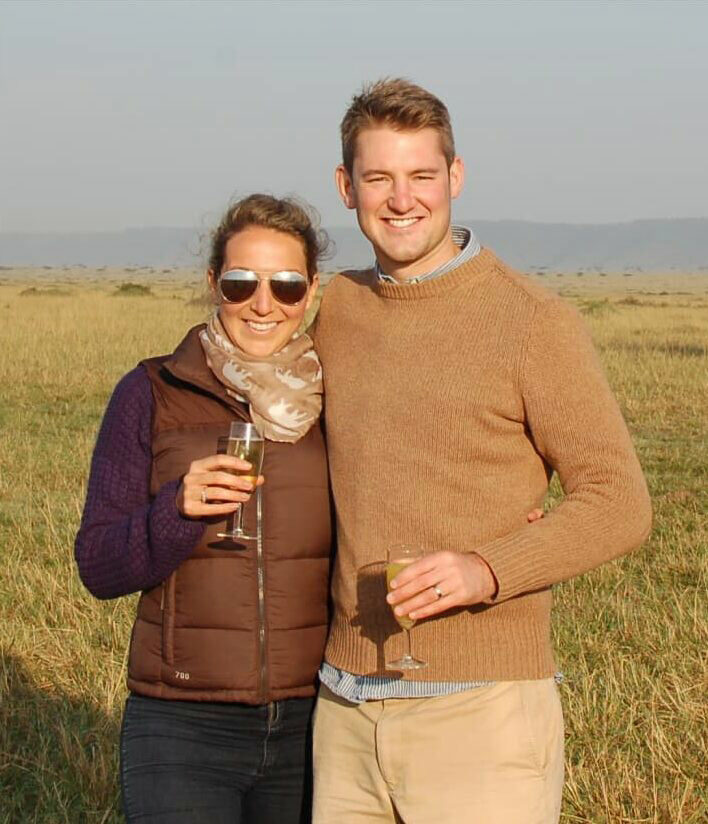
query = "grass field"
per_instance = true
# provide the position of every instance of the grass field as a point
(631, 636)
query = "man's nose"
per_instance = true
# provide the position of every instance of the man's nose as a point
(401, 198)
(262, 302)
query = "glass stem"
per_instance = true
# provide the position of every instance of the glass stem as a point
(238, 529)
(408, 644)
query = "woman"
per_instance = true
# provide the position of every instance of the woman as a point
(228, 637)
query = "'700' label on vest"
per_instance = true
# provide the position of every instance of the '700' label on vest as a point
(181, 676)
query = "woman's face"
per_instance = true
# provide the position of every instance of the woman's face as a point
(260, 326)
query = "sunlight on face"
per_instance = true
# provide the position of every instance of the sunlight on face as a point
(401, 188)
(260, 326)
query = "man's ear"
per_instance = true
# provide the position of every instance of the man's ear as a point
(457, 176)
(345, 187)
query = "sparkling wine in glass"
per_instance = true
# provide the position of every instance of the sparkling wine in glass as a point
(245, 442)
(399, 556)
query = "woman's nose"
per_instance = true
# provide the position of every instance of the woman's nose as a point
(262, 299)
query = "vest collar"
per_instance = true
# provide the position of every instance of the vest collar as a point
(188, 363)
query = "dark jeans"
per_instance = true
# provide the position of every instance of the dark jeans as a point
(188, 762)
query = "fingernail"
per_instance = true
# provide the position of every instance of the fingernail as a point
(389, 599)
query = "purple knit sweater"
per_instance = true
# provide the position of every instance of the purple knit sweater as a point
(128, 540)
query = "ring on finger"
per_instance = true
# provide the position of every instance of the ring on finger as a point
(438, 591)
(204, 495)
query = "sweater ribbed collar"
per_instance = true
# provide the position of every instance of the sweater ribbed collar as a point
(472, 270)
(467, 244)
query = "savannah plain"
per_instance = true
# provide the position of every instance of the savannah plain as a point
(630, 637)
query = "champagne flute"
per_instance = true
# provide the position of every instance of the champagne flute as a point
(399, 556)
(245, 442)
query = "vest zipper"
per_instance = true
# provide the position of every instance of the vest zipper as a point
(261, 592)
(167, 606)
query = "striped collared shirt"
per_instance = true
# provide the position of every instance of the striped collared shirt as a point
(463, 238)
(359, 688)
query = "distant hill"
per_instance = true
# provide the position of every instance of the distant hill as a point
(645, 244)
(652, 245)
(152, 246)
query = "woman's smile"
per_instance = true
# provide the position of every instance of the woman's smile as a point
(261, 325)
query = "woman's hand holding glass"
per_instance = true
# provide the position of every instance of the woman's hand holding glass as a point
(211, 487)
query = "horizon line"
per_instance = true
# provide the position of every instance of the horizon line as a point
(355, 227)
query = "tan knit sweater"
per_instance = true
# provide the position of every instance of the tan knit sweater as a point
(448, 404)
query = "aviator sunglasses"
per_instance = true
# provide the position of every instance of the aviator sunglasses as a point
(239, 285)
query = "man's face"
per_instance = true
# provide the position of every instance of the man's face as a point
(401, 188)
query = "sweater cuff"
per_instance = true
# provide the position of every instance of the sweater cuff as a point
(168, 527)
(517, 563)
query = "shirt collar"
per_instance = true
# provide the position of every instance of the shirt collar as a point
(463, 237)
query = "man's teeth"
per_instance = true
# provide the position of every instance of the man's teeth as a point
(261, 327)
(401, 223)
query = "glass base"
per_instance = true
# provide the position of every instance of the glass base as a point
(406, 663)
(237, 536)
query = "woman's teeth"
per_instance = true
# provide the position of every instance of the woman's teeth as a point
(261, 327)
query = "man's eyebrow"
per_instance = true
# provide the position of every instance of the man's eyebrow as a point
(429, 171)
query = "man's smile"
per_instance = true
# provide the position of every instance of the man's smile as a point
(401, 222)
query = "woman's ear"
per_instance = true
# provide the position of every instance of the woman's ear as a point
(213, 284)
(312, 291)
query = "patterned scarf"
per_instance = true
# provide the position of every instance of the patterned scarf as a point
(284, 390)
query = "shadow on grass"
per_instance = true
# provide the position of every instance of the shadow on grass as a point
(58, 754)
(673, 348)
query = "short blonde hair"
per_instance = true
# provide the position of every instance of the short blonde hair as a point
(400, 104)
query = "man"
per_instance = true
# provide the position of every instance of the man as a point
(454, 388)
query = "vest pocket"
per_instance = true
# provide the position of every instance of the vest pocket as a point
(167, 604)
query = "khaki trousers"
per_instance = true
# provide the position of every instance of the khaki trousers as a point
(491, 755)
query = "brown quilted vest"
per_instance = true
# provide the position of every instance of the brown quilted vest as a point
(235, 622)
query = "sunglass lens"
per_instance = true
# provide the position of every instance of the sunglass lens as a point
(237, 291)
(288, 291)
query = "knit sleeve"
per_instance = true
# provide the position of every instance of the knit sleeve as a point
(575, 424)
(127, 540)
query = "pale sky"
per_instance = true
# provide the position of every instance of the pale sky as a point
(124, 114)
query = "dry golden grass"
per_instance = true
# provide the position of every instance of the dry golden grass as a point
(631, 637)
